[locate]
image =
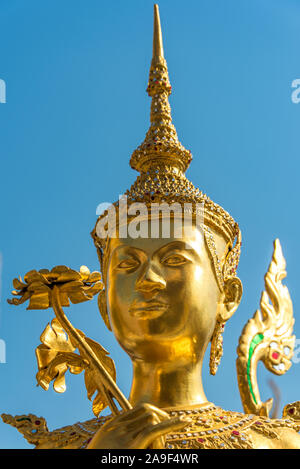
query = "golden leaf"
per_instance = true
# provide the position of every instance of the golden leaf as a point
(55, 356)
(56, 339)
(99, 402)
(44, 355)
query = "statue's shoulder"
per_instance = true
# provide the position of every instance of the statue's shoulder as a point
(35, 431)
(279, 433)
(274, 434)
(216, 428)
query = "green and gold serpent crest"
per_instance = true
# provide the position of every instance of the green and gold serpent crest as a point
(266, 337)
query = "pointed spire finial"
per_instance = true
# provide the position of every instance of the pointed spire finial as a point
(158, 50)
(161, 146)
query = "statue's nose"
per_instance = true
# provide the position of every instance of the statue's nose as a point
(150, 280)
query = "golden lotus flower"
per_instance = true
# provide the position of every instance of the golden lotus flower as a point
(74, 286)
(56, 354)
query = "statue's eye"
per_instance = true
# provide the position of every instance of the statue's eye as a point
(174, 260)
(128, 264)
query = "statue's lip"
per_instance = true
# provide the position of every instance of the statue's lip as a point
(148, 309)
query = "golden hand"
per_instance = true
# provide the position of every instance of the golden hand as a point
(138, 428)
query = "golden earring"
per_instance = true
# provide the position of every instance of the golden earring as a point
(216, 349)
(103, 308)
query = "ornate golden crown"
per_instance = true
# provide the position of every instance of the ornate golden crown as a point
(162, 161)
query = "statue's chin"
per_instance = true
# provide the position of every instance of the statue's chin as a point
(179, 352)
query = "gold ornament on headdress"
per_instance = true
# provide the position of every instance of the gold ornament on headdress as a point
(162, 162)
(161, 145)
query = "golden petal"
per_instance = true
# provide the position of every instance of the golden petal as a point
(59, 269)
(45, 279)
(84, 272)
(64, 299)
(94, 277)
(14, 292)
(69, 276)
(44, 271)
(51, 276)
(94, 289)
(79, 296)
(38, 286)
(18, 301)
(39, 300)
(18, 285)
(71, 286)
(33, 276)
(14, 301)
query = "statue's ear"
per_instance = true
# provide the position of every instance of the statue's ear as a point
(103, 308)
(230, 298)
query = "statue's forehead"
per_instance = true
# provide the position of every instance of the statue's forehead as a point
(192, 239)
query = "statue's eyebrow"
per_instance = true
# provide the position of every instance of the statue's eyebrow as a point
(181, 245)
(127, 249)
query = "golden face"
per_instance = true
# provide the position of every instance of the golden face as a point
(162, 296)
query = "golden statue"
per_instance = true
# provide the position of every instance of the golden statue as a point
(165, 296)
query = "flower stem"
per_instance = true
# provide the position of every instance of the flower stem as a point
(106, 383)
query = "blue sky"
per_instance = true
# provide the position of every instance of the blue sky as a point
(76, 73)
